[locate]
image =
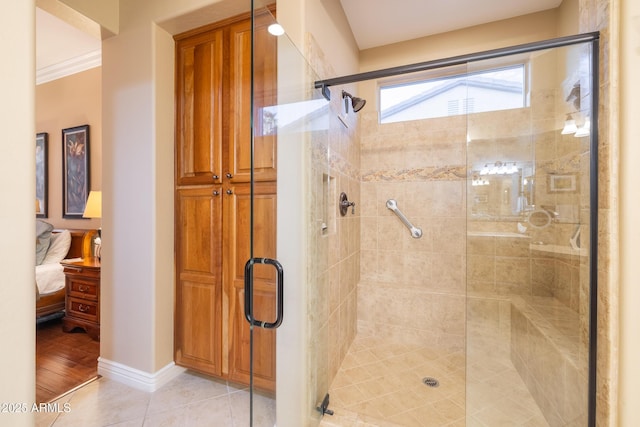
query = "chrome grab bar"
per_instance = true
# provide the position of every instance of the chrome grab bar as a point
(416, 232)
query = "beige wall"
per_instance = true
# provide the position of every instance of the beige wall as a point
(630, 206)
(17, 174)
(68, 102)
(568, 12)
(509, 32)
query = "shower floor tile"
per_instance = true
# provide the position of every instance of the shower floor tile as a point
(380, 384)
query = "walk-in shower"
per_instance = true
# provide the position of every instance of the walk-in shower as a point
(488, 318)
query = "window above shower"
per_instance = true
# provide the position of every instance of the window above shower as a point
(454, 94)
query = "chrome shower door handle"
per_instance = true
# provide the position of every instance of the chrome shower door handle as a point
(416, 232)
(248, 293)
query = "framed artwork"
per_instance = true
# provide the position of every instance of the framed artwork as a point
(42, 180)
(75, 170)
(562, 183)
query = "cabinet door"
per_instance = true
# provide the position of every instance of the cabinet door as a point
(237, 241)
(199, 89)
(239, 155)
(198, 330)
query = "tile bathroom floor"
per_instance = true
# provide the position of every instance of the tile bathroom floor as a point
(189, 400)
(380, 385)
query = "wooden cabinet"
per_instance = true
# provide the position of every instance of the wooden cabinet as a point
(237, 210)
(213, 200)
(264, 96)
(198, 328)
(199, 105)
(82, 305)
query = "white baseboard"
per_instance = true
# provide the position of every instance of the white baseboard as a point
(135, 378)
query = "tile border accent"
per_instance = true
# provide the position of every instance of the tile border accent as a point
(438, 173)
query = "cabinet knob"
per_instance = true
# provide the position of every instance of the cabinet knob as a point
(216, 193)
(216, 177)
(229, 191)
(83, 288)
(229, 175)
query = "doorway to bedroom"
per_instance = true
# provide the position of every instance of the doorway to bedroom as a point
(66, 97)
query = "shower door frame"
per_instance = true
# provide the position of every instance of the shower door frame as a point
(586, 38)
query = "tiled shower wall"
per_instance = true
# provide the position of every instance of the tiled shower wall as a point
(333, 156)
(603, 16)
(413, 289)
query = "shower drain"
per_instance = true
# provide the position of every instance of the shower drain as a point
(430, 381)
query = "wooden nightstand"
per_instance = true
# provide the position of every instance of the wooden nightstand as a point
(83, 296)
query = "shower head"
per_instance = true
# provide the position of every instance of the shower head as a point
(356, 103)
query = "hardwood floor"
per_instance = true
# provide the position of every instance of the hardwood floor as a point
(63, 360)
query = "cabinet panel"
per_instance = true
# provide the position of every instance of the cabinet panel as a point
(199, 231)
(264, 341)
(198, 334)
(199, 283)
(237, 244)
(199, 91)
(264, 96)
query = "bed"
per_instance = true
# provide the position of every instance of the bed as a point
(50, 280)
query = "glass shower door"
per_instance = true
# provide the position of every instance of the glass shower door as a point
(528, 249)
(287, 117)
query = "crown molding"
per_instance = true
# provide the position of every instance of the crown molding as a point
(70, 66)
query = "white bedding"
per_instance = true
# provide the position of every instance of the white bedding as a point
(50, 277)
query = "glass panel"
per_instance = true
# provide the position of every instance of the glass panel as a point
(290, 128)
(256, 202)
(528, 249)
(397, 344)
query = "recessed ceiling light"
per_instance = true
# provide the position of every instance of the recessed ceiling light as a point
(275, 29)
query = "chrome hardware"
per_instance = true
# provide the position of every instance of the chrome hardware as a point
(416, 232)
(229, 191)
(345, 203)
(229, 175)
(216, 193)
(216, 177)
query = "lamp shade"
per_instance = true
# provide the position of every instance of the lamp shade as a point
(93, 208)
